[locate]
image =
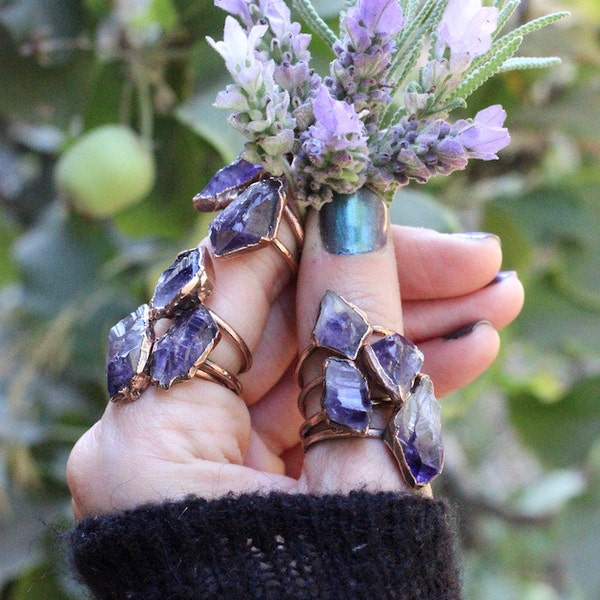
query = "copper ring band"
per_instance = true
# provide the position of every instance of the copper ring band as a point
(293, 220)
(237, 340)
(210, 371)
(313, 347)
(306, 390)
(318, 428)
(286, 254)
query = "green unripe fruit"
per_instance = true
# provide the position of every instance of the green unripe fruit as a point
(106, 170)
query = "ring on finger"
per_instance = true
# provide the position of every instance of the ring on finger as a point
(253, 221)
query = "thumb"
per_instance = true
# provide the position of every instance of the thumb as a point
(348, 250)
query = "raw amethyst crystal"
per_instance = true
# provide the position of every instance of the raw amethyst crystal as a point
(182, 349)
(226, 184)
(340, 326)
(129, 345)
(414, 435)
(394, 362)
(187, 282)
(250, 220)
(346, 395)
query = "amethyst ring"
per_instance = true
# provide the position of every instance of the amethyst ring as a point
(171, 338)
(371, 388)
(319, 428)
(184, 350)
(253, 221)
(186, 283)
(128, 353)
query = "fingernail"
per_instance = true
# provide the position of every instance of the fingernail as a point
(476, 235)
(502, 276)
(354, 223)
(465, 330)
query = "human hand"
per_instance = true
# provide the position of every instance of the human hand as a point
(200, 438)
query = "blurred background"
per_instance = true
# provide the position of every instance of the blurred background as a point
(523, 441)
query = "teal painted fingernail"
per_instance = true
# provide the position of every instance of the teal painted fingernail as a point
(354, 223)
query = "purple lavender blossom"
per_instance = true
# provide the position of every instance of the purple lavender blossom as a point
(372, 20)
(466, 30)
(333, 155)
(419, 149)
(238, 8)
(260, 108)
(238, 51)
(282, 42)
(364, 56)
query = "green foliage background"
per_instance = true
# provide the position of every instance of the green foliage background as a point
(523, 441)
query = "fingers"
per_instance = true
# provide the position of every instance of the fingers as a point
(499, 303)
(456, 329)
(453, 300)
(436, 265)
(276, 350)
(246, 287)
(348, 250)
(453, 363)
(193, 438)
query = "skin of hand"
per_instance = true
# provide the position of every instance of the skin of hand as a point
(199, 438)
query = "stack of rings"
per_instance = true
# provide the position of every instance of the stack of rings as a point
(170, 339)
(370, 386)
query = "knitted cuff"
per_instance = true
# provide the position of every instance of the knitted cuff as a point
(278, 546)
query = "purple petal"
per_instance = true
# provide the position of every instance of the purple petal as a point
(238, 8)
(485, 135)
(466, 28)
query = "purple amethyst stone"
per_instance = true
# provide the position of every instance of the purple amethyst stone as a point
(185, 345)
(188, 281)
(226, 184)
(340, 326)
(346, 395)
(252, 218)
(416, 431)
(394, 362)
(127, 353)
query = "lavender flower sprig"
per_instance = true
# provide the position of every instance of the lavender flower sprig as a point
(378, 118)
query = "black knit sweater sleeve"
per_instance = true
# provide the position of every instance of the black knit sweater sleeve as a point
(276, 547)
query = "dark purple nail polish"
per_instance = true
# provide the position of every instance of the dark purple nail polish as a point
(464, 330)
(476, 235)
(502, 276)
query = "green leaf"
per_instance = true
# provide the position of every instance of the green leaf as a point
(551, 493)
(60, 259)
(8, 234)
(573, 111)
(549, 215)
(578, 530)
(315, 21)
(210, 123)
(561, 433)
(104, 98)
(164, 13)
(578, 272)
(517, 249)
(553, 323)
(419, 209)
